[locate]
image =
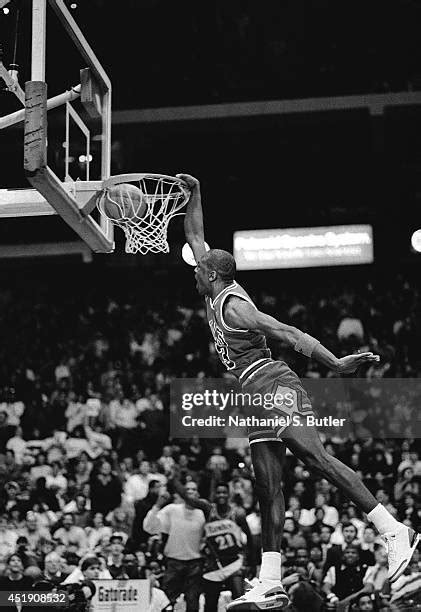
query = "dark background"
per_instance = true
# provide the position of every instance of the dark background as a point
(257, 172)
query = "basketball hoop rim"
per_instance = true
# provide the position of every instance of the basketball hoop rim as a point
(127, 178)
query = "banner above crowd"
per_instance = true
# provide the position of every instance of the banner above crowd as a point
(308, 247)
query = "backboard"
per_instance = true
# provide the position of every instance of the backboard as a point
(86, 111)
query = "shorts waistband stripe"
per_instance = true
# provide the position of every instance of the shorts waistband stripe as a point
(254, 367)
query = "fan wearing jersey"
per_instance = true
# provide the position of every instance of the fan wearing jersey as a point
(240, 330)
(225, 529)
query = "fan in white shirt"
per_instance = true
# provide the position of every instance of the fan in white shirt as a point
(18, 445)
(308, 517)
(136, 486)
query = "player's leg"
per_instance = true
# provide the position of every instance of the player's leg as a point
(211, 592)
(305, 443)
(236, 585)
(268, 459)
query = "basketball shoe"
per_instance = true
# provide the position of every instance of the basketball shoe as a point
(264, 595)
(401, 545)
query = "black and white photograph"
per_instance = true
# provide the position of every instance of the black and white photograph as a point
(210, 306)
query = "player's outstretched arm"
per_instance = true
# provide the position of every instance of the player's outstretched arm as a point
(240, 314)
(193, 221)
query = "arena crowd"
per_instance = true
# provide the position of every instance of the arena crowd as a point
(87, 462)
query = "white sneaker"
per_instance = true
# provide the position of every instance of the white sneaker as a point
(265, 595)
(401, 545)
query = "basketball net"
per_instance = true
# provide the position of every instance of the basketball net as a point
(164, 197)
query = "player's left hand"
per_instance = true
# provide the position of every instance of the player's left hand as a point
(348, 364)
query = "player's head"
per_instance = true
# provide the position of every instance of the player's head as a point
(215, 265)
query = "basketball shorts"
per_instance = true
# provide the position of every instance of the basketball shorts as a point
(278, 382)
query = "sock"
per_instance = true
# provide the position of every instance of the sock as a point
(383, 520)
(271, 566)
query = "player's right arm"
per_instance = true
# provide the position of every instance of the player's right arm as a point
(240, 314)
(193, 221)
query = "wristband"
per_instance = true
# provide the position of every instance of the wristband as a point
(305, 344)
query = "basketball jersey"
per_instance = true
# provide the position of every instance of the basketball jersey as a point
(238, 349)
(223, 541)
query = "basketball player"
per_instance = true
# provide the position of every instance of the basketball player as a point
(224, 560)
(239, 330)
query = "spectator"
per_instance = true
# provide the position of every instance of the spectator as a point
(99, 442)
(182, 524)
(167, 461)
(13, 497)
(70, 534)
(88, 569)
(404, 483)
(28, 557)
(62, 371)
(41, 468)
(13, 407)
(367, 546)
(115, 563)
(330, 517)
(98, 533)
(356, 520)
(345, 581)
(13, 470)
(18, 445)
(335, 552)
(365, 603)
(121, 519)
(217, 461)
(383, 497)
(377, 573)
(293, 535)
(6, 430)
(52, 569)
(33, 531)
(8, 538)
(83, 470)
(139, 535)
(106, 490)
(131, 568)
(14, 579)
(136, 487)
(304, 598)
(350, 327)
(44, 498)
(75, 413)
(315, 564)
(56, 481)
(82, 515)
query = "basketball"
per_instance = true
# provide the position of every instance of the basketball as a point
(124, 201)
